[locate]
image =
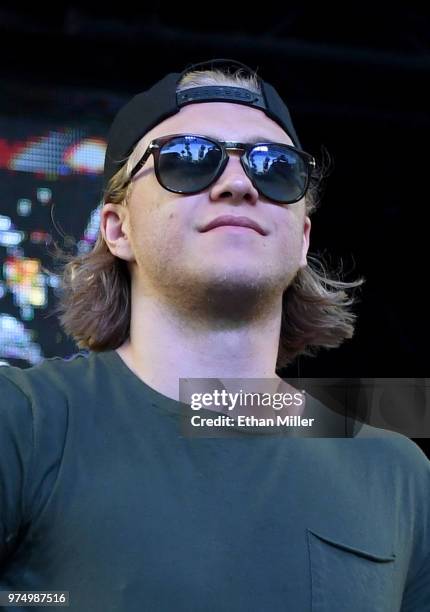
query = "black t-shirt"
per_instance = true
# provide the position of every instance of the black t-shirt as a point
(103, 496)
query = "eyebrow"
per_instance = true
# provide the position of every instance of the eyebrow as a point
(251, 139)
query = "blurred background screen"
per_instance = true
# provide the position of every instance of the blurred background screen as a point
(50, 184)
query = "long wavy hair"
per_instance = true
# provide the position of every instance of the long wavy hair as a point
(94, 303)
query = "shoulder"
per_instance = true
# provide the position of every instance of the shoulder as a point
(57, 389)
(40, 396)
(34, 424)
(48, 383)
(399, 454)
(379, 442)
(49, 373)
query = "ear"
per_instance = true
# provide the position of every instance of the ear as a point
(305, 244)
(114, 224)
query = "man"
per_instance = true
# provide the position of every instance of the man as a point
(101, 493)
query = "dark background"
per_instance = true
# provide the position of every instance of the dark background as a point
(355, 80)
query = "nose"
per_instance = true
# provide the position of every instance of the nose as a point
(234, 184)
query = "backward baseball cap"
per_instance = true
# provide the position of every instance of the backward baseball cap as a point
(150, 107)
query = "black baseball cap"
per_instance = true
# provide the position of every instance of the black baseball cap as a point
(148, 108)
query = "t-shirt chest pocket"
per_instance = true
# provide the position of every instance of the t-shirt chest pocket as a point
(348, 576)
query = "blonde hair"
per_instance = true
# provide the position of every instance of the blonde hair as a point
(94, 304)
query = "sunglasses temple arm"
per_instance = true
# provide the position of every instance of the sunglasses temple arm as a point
(141, 162)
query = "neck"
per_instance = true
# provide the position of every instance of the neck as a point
(166, 343)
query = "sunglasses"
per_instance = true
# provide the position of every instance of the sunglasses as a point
(189, 163)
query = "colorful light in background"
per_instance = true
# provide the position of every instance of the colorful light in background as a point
(59, 166)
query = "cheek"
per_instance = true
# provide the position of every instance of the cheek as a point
(291, 238)
(155, 232)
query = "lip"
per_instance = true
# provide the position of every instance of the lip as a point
(234, 220)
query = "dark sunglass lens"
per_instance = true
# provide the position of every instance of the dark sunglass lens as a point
(188, 164)
(279, 173)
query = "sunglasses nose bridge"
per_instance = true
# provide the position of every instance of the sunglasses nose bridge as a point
(233, 146)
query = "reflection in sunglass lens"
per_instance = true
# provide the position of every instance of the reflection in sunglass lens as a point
(279, 173)
(188, 164)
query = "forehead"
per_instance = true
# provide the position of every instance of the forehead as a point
(222, 120)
